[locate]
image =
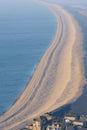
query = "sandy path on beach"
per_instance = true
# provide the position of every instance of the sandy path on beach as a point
(58, 78)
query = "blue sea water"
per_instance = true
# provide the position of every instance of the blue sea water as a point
(26, 31)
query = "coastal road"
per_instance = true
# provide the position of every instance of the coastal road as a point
(58, 78)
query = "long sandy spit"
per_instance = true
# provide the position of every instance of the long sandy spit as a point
(58, 79)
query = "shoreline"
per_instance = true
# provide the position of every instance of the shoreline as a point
(57, 50)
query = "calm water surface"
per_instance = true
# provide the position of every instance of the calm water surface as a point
(26, 31)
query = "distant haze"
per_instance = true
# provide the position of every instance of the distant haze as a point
(69, 1)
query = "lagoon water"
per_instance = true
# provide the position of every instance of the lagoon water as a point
(26, 31)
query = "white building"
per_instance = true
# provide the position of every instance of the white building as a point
(35, 126)
(53, 127)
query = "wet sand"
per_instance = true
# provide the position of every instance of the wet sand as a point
(58, 79)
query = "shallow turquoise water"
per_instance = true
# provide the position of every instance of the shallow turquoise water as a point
(26, 31)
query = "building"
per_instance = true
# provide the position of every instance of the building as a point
(70, 117)
(54, 126)
(83, 118)
(47, 116)
(78, 123)
(35, 126)
(67, 121)
(70, 128)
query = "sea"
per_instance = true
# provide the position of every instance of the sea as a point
(26, 31)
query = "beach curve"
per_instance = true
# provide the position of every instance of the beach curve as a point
(58, 79)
